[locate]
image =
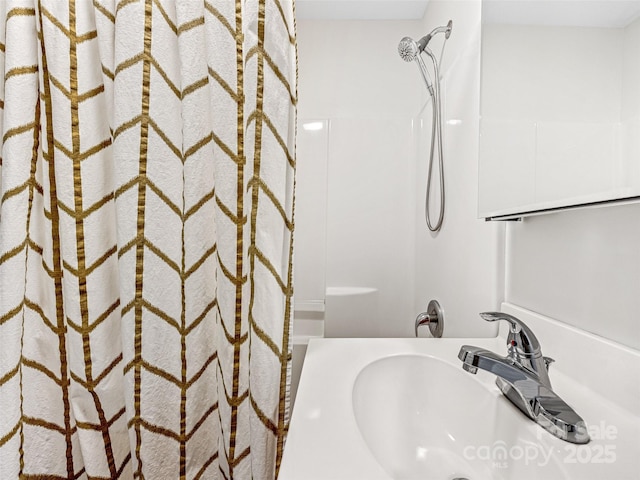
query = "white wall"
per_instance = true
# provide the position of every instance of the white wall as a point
(350, 75)
(369, 228)
(352, 69)
(581, 267)
(462, 265)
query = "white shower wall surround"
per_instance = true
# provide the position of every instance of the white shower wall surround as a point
(378, 129)
(461, 267)
(352, 312)
(312, 143)
(363, 238)
(369, 223)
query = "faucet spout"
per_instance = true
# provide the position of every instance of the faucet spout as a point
(516, 383)
(503, 367)
(522, 377)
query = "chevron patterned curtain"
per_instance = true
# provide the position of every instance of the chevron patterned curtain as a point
(146, 222)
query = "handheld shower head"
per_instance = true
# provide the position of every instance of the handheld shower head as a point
(409, 49)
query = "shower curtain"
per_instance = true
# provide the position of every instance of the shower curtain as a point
(146, 223)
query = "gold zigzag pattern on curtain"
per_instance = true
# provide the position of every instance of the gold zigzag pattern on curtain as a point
(236, 398)
(29, 184)
(56, 271)
(75, 99)
(262, 119)
(74, 318)
(262, 53)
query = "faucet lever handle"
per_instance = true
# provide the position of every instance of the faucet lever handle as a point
(525, 341)
(523, 346)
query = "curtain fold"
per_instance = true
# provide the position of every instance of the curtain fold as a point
(146, 237)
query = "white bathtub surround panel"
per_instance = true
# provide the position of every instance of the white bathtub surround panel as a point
(353, 312)
(599, 365)
(581, 267)
(461, 266)
(312, 146)
(351, 74)
(370, 219)
(370, 116)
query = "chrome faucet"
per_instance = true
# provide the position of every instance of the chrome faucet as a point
(523, 378)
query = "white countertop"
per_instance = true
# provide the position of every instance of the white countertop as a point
(324, 442)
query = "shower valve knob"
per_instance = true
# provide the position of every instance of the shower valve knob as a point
(434, 317)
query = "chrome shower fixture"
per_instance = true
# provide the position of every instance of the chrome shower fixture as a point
(409, 51)
(446, 29)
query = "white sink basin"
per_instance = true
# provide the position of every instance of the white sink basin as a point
(423, 418)
(383, 409)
